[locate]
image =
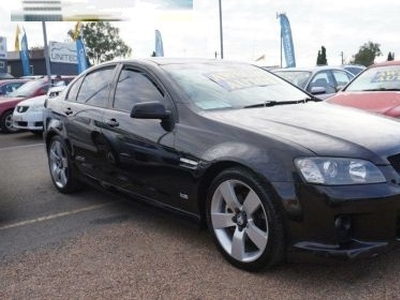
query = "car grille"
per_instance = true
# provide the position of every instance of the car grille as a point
(22, 109)
(395, 162)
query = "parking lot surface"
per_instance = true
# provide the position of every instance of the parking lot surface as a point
(92, 245)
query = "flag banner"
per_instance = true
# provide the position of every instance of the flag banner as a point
(24, 53)
(287, 41)
(81, 53)
(17, 43)
(159, 44)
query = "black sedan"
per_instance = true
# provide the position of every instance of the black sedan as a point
(276, 175)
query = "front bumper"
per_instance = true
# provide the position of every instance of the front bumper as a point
(346, 222)
(29, 121)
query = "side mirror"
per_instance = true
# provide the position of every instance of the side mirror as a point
(153, 110)
(317, 90)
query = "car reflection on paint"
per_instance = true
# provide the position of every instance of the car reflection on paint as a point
(276, 174)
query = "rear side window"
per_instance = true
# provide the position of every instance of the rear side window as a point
(92, 89)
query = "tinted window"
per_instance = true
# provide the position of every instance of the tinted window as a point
(134, 87)
(95, 87)
(73, 91)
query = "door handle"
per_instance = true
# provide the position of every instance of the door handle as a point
(112, 123)
(68, 111)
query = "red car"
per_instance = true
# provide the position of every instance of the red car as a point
(376, 89)
(10, 85)
(29, 89)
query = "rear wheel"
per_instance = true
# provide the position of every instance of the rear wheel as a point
(62, 172)
(6, 122)
(245, 223)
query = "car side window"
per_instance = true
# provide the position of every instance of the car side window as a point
(342, 78)
(74, 89)
(135, 87)
(95, 87)
(322, 79)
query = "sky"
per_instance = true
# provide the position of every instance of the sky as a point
(251, 28)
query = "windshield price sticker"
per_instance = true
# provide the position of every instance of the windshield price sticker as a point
(235, 81)
(385, 76)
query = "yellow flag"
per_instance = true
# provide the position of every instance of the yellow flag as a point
(77, 30)
(17, 43)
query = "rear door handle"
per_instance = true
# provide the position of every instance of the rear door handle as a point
(112, 123)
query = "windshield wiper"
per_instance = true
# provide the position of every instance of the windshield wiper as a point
(271, 103)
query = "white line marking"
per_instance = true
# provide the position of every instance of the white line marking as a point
(55, 216)
(21, 147)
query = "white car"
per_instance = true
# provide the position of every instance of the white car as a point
(28, 114)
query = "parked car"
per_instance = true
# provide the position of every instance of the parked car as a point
(8, 86)
(355, 69)
(322, 81)
(376, 90)
(32, 88)
(28, 114)
(275, 173)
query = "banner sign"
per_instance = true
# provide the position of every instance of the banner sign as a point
(3, 48)
(63, 53)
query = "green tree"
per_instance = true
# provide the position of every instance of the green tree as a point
(102, 42)
(367, 54)
(321, 58)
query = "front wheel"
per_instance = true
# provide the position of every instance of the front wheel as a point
(246, 224)
(6, 122)
(62, 172)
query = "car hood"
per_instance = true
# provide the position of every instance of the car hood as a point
(380, 102)
(35, 101)
(6, 99)
(324, 129)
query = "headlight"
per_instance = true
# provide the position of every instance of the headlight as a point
(338, 171)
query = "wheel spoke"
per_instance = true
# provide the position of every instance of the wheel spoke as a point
(257, 236)
(251, 203)
(222, 220)
(238, 245)
(229, 195)
(53, 155)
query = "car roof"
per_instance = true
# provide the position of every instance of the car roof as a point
(386, 63)
(309, 69)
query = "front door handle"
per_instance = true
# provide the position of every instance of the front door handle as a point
(112, 122)
(68, 111)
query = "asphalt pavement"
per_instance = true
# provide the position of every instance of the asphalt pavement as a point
(92, 245)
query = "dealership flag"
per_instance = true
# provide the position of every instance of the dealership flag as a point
(17, 44)
(287, 41)
(81, 55)
(159, 44)
(24, 54)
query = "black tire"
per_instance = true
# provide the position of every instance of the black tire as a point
(6, 122)
(246, 224)
(61, 169)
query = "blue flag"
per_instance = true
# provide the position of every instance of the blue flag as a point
(24, 54)
(287, 41)
(159, 44)
(81, 55)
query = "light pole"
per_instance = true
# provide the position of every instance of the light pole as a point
(220, 30)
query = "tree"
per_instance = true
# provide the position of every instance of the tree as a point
(321, 59)
(390, 56)
(367, 54)
(102, 42)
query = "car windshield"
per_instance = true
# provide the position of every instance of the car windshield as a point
(27, 89)
(377, 79)
(298, 78)
(231, 85)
